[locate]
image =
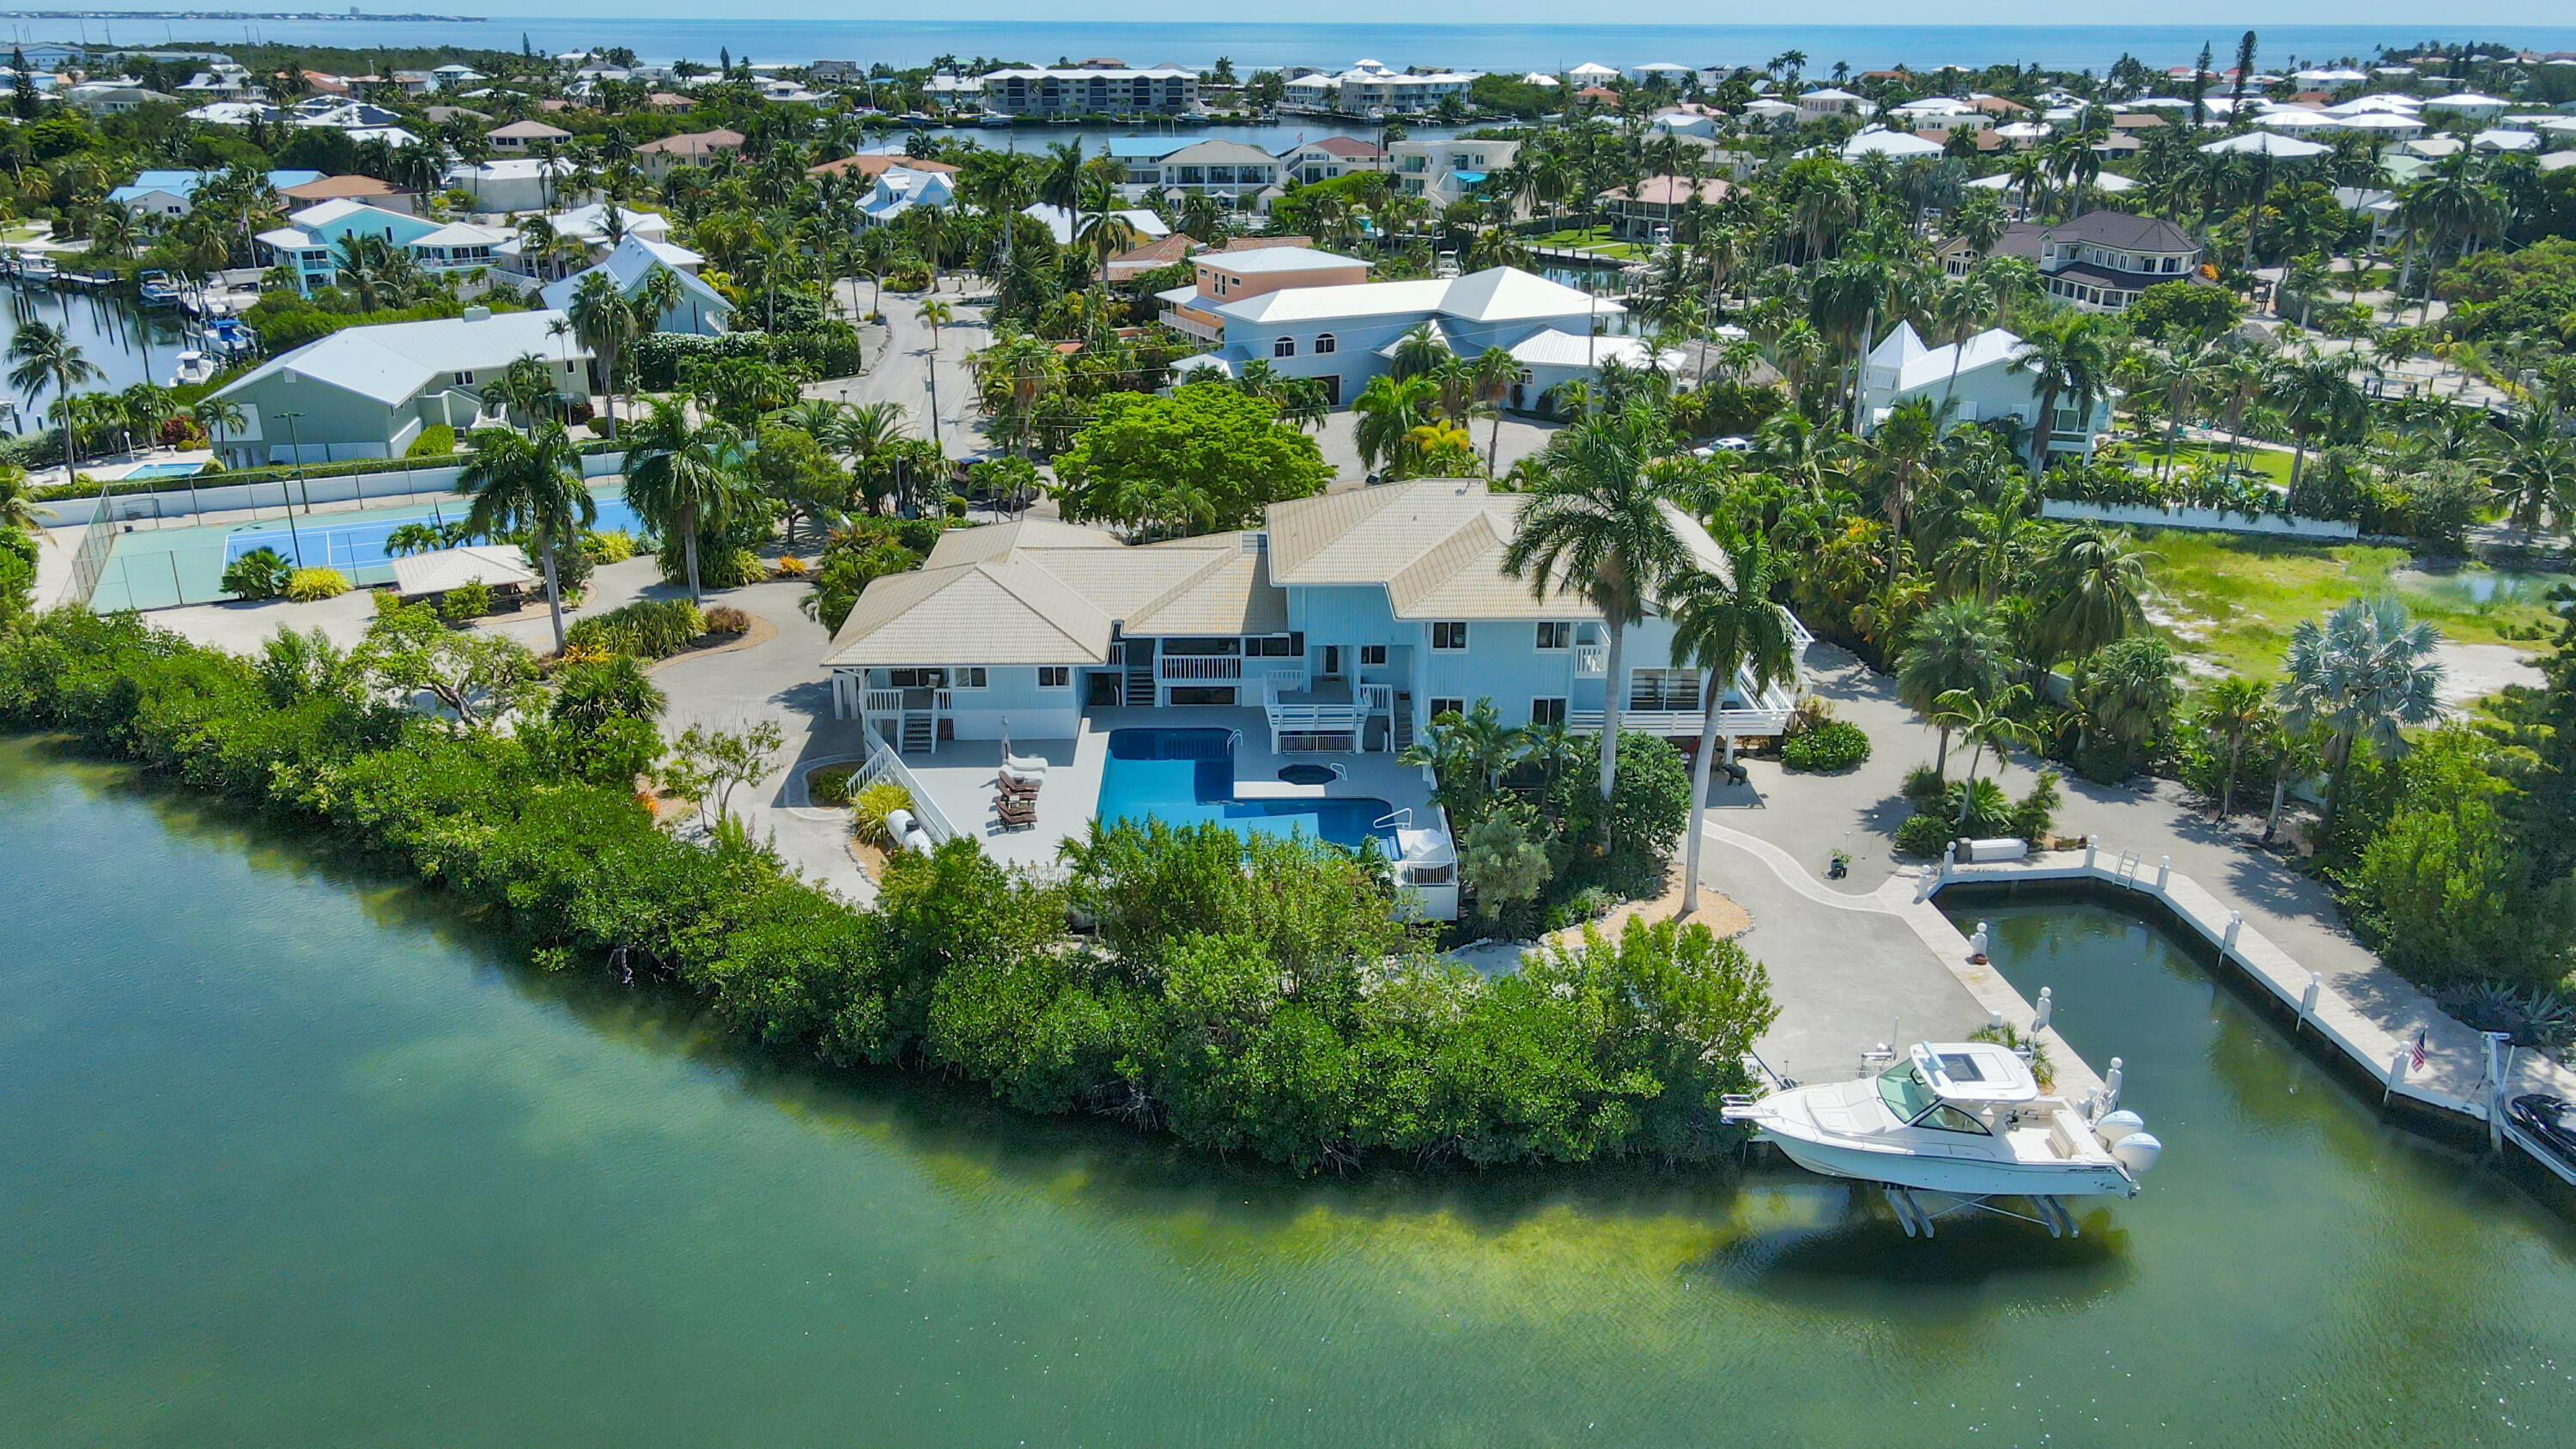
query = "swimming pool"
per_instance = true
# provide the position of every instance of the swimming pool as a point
(1185, 777)
(358, 542)
(163, 470)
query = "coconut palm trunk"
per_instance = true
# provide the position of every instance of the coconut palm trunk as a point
(689, 550)
(1613, 680)
(1700, 771)
(554, 591)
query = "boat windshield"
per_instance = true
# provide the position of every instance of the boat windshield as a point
(1914, 1102)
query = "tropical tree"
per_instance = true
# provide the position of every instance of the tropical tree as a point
(1389, 408)
(605, 323)
(2070, 364)
(682, 477)
(530, 483)
(2096, 588)
(43, 358)
(1983, 721)
(2233, 710)
(1957, 647)
(1725, 623)
(1489, 376)
(2362, 674)
(2316, 393)
(1600, 524)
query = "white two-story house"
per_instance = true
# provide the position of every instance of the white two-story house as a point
(1978, 382)
(1347, 622)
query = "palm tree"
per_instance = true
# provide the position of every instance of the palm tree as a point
(2317, 395)
(1489, 376)
(1389, 409)
(681, 477)
(937, 314)
(530, 483)
(1956, 646)
(604, 323)
(2097, 591)
(2361, 675)
(45, 358)
(1725, 623)
(1900, 454)
(1984, 721)
(1600, 524)
(1420, 353)
(2538, 473)
(2070, 361)
(2233, 709)
(2176, 372)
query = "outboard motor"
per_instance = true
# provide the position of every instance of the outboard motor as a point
(2137, 1152)
(2117, 1125)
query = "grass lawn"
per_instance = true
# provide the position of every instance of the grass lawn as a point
(2151, 456)
(1597, 241)
(2233, 599)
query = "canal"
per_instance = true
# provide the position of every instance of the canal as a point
(299, 1158)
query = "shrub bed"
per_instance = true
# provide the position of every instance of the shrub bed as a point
(1245, 996)
(647, 629)
(1823, 748)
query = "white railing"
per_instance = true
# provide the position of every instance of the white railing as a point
(1674, 723)
(884, 764)
(1184, 668)
(1290, 675)
(1591, 661)
(882, 701)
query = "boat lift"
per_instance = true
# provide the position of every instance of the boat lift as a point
(1919, 1220)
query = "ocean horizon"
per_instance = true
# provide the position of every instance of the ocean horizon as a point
(1550, 48)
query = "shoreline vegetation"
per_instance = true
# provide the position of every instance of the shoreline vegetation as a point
(1245, 997)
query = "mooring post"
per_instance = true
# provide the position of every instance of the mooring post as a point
(2308, 998)
(2047, 1008)
(2235, 923)
(2091, 848)
(2499, 1071)
(2110, 1099)
(2396, 1074)
(2164, 870)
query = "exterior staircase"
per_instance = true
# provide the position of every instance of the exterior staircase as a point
(919, 737)
(1140, 673)
(1403, 722)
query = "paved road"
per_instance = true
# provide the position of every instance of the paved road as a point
(901, 365)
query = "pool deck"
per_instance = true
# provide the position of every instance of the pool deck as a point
(960, 776)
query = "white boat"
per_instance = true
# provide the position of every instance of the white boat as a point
(194, 367)
(1964, 1119)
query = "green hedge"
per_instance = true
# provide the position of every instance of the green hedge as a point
(224, 478)
(647, 629)
(831, 351)
(1826, 746)
(1244, 996)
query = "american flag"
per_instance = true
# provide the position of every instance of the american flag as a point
(2420, 1033)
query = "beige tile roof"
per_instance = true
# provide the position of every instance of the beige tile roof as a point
(1005, 611)
(974, 545)
(1436, 543)
(1231, 594)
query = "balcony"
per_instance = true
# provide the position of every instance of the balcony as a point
(1591, 661)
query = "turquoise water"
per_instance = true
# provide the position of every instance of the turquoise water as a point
(1186, 777)
(160, 568)
(298, 1158)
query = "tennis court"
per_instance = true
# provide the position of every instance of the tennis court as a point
(164, 568)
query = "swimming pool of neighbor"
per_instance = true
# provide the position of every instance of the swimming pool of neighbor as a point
(1185, 777)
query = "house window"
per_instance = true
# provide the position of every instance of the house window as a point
(1668, 689)
(1446, 704)
(1556, 634)
(970, 676)
(1220, 694)
(916, 679)
(1324, 344)
(1449, 636)
(1284, 347)
(1275, 646)
(464, 379)
(1547, 711)
(1055, 676)
(1372, 655)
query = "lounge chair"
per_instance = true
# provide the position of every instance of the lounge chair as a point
(1022, 779)
(1024, 764)
(1016, 814)
(1015, 788)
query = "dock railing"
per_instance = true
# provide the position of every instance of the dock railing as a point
(884, 764)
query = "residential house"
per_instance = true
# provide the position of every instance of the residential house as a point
(878, 163)
(900, 189)
(1901, 145)
(1638, 212)
(669, 101)
(366, 392)
(700, 309)
(115, 99)
(1346, 334)
(1826, 101)
(1230, 169)
(1151, 257)
(1344, 625)
(836, 72)
(1371, 89)
(1113, 90)
(172, 193)
(2097, 262)
(1447, 171)
(1941, 115)
(517, 183)
(221, 81)
(1328, 157)
(1235, 276)
(660, 158)
(383, 195)
(525, 138)
(1064, 226)
(581, 237)
(415, 82)
(1977, 381)
(309, 244)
